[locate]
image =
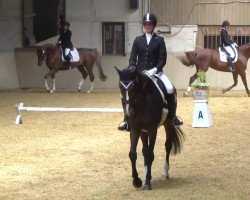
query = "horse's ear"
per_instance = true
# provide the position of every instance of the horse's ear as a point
(118, 70)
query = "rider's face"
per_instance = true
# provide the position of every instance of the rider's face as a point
(149, 27)
(65, 27)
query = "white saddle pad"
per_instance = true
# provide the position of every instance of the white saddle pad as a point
(223, 55)
(75, 56)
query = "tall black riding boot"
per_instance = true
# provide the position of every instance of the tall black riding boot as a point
(123, 126)
(230, 64)
(67, 61)
(172, 105)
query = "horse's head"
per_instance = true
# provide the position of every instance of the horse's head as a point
(41, 55)
(131, 84)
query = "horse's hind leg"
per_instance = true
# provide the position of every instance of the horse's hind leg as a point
(168, 148)
(191, 80)
(91, 77)
(235, 77)
(134, 137)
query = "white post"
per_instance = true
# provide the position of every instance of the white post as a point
(19, 116)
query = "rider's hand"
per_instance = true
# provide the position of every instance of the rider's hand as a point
(236, 45)
(150, 72)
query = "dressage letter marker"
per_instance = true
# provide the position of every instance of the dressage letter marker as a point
(21, 107)
(202, 116)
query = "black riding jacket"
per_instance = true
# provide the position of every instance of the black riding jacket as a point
(225, 40)
(146, 57)
(65, 39)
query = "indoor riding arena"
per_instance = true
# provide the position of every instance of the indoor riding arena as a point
(83, 155)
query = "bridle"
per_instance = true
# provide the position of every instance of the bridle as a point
(126, 85)
(41, 56)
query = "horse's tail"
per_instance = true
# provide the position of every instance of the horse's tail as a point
(187, 58)
(102, 76)
(177, 139)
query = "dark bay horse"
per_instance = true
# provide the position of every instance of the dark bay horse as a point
(144, 108)
(52, 54)
(205, 58)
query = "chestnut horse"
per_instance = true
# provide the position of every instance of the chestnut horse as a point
(54, 62)
(205, 58)
(144, 109)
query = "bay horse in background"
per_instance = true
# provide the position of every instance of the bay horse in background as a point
(144, 108)
(53, 56)
(205, 58)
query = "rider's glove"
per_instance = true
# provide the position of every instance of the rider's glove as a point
(151, 72)
(236, 45)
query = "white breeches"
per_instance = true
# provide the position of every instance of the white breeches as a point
(230, 50)
(67, 50)
(169, 86)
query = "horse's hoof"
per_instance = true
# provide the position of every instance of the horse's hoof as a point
(137, 182)
(88, 91)
(51, 91)
(147, 187)
(79, 90)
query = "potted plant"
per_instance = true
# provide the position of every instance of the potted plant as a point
(200, 88)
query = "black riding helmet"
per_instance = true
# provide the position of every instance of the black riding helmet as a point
(66, 24)
(225, 23)
(149, 18)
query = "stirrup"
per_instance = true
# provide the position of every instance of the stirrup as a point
(177, 121)
(123, 127)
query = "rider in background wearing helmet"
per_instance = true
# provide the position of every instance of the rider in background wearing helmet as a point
(149, 56)
(66, 44)
(227, 44)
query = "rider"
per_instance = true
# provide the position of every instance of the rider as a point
(66, 44)
(149, 55)
(227, 43)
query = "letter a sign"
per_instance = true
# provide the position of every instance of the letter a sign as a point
(202, 116)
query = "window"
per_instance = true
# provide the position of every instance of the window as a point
(241, 40)
(41, 19)
(212, 41)
(113, 40)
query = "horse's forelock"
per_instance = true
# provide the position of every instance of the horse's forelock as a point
(127, 75)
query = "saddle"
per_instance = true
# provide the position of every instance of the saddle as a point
(163, 91)
(224, 55)
(74, 55)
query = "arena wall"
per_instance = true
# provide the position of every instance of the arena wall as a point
(32, 76)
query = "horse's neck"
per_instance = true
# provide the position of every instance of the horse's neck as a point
(149, 94)
(51, 51)
(246, 50)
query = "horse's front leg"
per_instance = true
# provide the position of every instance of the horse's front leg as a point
(84, 76)
(244, 80)
(235, 77)
(134, 137)
(148, 153)
(46, 80)
(54, 83)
